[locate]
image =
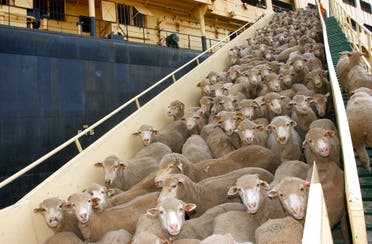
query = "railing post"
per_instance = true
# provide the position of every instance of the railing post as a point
(143, 33)
(174, 78)
(137, 103)
(78, 145)
(358, 30)
(188, 37)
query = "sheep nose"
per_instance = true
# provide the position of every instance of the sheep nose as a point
(83, 216)
(95, 201)
(52, 219)
(278, 110)
(173, 227)
(252, 205)
(107, 182)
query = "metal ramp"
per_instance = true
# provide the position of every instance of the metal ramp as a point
(338, 42)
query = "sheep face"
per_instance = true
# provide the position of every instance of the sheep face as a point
(52, 211)
(171, 185)
(246, 131)
(112, 167)
(320, 102)
(190, 119)
(292, 193)
(175, 108)
(229, 121)
(98, 194)
(249, 189)
(274, 104)
(205, 105)
(282, 130)
(301, 104)
(248, 108)
(81, 205)
(146, 133)
(317, 140)
(171, 213)
(170, 164)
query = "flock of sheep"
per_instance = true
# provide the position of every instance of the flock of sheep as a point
(237, 166)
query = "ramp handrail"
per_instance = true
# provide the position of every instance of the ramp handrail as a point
(352, 188)
(135, 100)
(360, 37)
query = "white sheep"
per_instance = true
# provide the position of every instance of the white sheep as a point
(252, 133)
(56, 218)
(292, 193)
(359, 113)
(208, 192)
(281, 230)
(174, 134)
(249, 156)
(94, 226)
(176, 109)
(196, 149)
(284, 140)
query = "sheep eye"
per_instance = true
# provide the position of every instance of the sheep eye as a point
(302, 189)
(73, 205)
(161, 212)
(103, 192)
(60, 206)
(89, 201)
(91, 193)
(281, 195)
(174, 186)
(170, 166)
(257, 185)
(310, 141)
(181, 209)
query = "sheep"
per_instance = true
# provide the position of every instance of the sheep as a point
(222, 88)
(100, 195)
(173, 135)
(359, 112)
(56, 218)
(217, 238)
(124, 175)
(321, 144)
(240, 225)
(358, 75)
(249, 156)
(155, 150)
(146, 185)
(320, 104)
(332, 181)
(284, 140)
(276, 105)
(229, 121)
(63, 238)
(216, 105)
(219, 143)
(302, 113)
(208, 192)
(313, 62)
(170, 222)
(252, 191)
(206, 87)
(292, 168)
(115, 237)
(176, 109)
(281, 230)
(196, 149)
(93, 225)
(252, 133)
(343, 68)
(298, 68)
(301, 89)
(317, 81)
(251, 109)
(205, 105)
(193, 120)
(292, 193)
(228, 103)
(284, 55)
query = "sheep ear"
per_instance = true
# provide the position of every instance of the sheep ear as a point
(304, 144)
(189, 207)
(330, 133)
(309, 99)
(152, 212)
(198, 85)
(307, 184)
(136, 133)
(39, 210)
(217, 117)
(67, 207)
(269, 127)
(179, 165)
(122, 165)
(98, 164)
(239, 116)
(260, 128)
(293, 123)
(264, 185)
(232, 191)
(272, 193)
(156, 132)
(290, 104)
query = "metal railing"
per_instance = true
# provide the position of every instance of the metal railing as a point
(135, 100)
(71, 24)
(352, 188)
(358, 35)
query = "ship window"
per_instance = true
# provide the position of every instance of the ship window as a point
(6, 2)
(55, 10)
(257, 3)
(366, 7)
(351, 2)
(129, 15)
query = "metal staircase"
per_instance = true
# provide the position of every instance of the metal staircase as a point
(338, 43)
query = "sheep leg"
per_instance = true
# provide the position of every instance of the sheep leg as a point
(345, 229)
(363, 156)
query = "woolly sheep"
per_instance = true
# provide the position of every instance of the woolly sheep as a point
(208, 192)
(196, 149)
(249, 156)
(176, 109)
